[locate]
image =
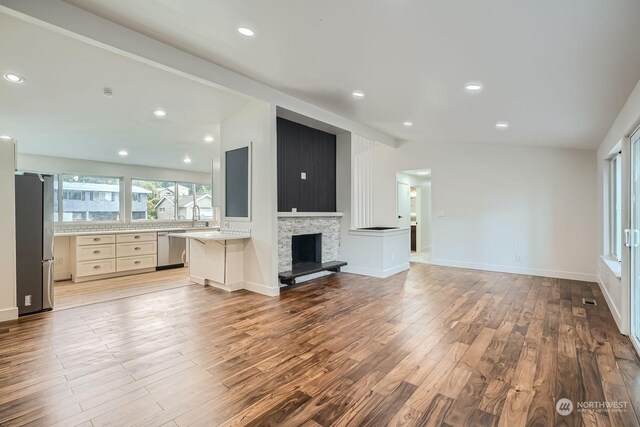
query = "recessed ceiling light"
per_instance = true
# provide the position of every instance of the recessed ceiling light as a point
(422, 173)
(358, 94)
(123, 153)
(160, 113)
(13, 78)
(5, 137)
(246, 31)
(187, 160)
(208, 138)
(473, 87)
(408, 124)
(502, 125)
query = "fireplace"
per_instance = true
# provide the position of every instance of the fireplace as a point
(306, 248)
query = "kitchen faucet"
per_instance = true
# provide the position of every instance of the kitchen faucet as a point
(195, 215)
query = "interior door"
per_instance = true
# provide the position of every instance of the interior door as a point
(404, 205)
(633, 239)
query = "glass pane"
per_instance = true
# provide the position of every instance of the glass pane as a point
(635, 250)
(152, 200)
(204, 197)
(185, 201)
(618, 207)
(90, 198)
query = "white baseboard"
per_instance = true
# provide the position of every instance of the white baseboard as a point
(583, 277)
(8, 314)
(612, 308)
(382, 274)
(262, 289)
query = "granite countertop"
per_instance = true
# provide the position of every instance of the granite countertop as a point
(131, 230)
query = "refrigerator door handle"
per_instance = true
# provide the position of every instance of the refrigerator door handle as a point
(47, 284)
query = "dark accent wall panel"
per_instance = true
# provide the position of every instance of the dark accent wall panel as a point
(304, 149)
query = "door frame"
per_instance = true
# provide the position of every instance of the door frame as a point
(628, 275)
(398, 182)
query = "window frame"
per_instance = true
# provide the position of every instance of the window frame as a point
(615, 207)
(121, 199)
(176, 199)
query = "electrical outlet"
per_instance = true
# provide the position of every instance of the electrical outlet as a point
(303, 175)
(518, 258)
(59, 261)
(27, 300)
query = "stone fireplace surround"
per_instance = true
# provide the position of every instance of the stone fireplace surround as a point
(297, 223)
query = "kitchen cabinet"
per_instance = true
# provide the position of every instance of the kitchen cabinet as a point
(102, 256)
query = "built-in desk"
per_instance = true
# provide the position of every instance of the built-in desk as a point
(216, 258)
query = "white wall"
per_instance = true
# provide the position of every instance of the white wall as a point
(616, 290)
(501, 201)
(256, 123)
(8, 308)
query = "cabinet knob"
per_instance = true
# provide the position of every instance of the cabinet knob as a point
(96, 252)
(137, 249)
(96, 239)
(136, 237)
(96, 267)
(137, 262)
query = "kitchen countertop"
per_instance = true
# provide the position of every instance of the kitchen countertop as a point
(212, 235)
(126, 231)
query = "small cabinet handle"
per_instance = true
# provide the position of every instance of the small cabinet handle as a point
(96, 239)
(136, 237)
(96, 267)
(137, 262)
(96, 252)
(137, 248)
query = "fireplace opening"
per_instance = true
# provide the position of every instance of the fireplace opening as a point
(306, 248)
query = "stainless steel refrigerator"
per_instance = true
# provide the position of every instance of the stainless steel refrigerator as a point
(34, 242)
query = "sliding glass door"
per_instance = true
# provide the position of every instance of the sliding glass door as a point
(633, 239)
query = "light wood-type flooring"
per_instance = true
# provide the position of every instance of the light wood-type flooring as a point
(68, 294)
(432, 346)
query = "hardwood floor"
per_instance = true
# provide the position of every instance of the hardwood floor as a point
(433, 346)
(68, 294)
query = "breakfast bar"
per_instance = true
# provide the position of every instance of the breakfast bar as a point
(216, 258)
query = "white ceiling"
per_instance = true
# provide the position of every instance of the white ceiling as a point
(60, 109)
(557, 71)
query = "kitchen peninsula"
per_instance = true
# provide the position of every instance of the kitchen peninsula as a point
(216, 258)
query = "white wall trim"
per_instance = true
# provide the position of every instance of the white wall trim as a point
(8, 314)
(583, 277)
(382, 274)
(612, 307)
(262, 289)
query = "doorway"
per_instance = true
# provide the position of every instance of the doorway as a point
(414, 211)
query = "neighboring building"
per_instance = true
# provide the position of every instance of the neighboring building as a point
(165, 208)
(99, 202)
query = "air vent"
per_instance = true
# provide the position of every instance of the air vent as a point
(589, 301)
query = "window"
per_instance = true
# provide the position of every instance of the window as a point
(90, 198)
(615, 204)
(163, 200)
(152, 200)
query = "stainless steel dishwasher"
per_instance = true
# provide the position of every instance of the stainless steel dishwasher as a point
(172, 251)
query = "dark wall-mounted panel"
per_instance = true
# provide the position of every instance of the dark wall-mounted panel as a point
(302, 149)
(237, 183)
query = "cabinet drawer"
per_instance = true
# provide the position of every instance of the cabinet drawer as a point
(135, 249)
(136, 262)
(136, 237)
(100, 239)
(92, 268)
(85, 253)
